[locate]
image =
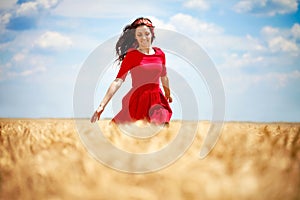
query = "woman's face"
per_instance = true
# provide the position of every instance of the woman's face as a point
(143, 36)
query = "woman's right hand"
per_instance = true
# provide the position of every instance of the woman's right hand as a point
(114, 86)
(97, 113)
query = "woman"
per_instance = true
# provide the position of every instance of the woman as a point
(146, 64)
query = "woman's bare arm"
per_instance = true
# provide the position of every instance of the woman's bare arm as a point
(113, 88)
(165, 83)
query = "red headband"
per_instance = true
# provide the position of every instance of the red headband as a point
(147, 22)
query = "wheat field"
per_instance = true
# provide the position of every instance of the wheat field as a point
(45, 159)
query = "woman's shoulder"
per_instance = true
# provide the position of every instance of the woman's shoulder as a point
(131, 51)
(158, 50)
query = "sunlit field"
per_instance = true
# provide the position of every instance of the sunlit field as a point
(45, 159)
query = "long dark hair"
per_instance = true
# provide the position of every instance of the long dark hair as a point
(127, 39)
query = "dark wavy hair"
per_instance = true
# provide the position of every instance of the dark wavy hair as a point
(127, 39)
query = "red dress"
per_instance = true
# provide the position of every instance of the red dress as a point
(145, 100)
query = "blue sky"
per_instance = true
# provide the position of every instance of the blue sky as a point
(254, 44)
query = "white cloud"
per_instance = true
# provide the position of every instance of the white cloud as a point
(25, 72)
(53, 41)
(161, 24)
(198, 4)
(274, 80)
(32, 8)
(48, 4)
(219, 46)
(27, 9)
(26, 59)
(223, 44)
(275, 47)
(269, 31)
(281, 44)
(266, 7)
(263, 55)
(235, 60)
(193, 26)
(282, 40)
(296, 31)
(248, 5)
(23, 64)
(213, 37)
(107, 9)
(19, 57)
(4, 20)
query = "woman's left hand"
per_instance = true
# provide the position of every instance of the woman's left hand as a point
(169, 98)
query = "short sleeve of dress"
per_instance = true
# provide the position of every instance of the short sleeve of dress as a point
(125, 67)
(164, 70)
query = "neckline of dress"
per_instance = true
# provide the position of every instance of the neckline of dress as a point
(147, 54)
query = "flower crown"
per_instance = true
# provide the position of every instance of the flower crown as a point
(142, 21)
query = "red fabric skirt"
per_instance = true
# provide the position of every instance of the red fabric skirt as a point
(144, 103)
